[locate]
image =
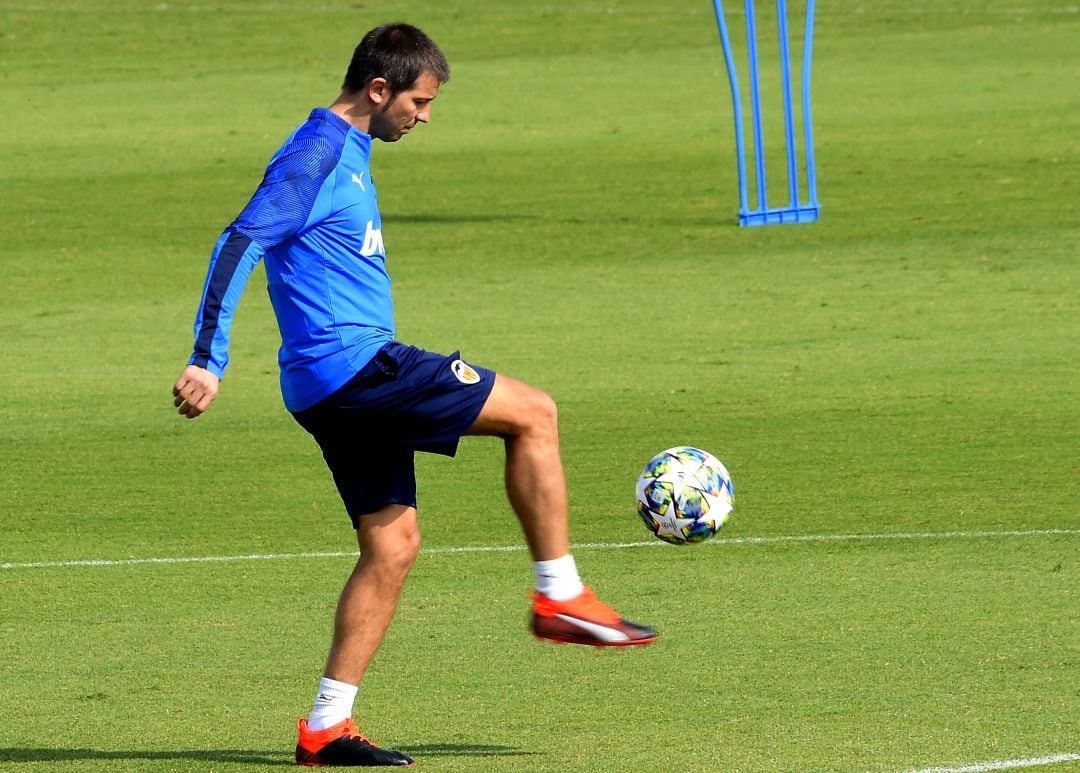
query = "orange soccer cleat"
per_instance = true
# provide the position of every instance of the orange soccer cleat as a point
(341, 745)
(585, 619)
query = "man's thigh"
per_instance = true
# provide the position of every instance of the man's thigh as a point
(512, 408)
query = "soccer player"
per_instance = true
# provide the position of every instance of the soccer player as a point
(369, 401)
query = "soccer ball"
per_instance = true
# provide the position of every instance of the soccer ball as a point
(684, 495)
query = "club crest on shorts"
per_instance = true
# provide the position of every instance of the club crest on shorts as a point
(464, 372)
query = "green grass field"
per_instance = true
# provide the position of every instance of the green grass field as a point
(895, 389)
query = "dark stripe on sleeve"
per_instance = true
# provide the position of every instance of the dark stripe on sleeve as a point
(216, 285)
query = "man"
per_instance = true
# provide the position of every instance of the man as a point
(369, 401)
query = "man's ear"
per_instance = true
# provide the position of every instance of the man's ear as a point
(378, 90)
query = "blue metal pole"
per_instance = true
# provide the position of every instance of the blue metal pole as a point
(808, 130)
(736, 107)
(755, 102)
(796, 210)
(789, 117)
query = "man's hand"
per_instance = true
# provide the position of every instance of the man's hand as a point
(194, 391)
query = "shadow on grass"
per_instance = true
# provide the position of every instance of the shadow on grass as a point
(244, 756)
(423, 218)
(462, 750)
(546, 219)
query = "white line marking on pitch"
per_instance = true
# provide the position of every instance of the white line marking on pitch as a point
(578, 546)
(979, 767)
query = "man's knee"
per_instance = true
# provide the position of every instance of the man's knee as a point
(406, 548)
(543, 411)
(390, 538)
(535, 416)
(514, 409)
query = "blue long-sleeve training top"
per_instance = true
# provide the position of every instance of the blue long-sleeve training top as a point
(315, 221)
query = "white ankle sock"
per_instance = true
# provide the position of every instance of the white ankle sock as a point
(333, 703)
(558, 578)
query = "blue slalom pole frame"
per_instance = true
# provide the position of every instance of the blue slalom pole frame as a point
(798, 209)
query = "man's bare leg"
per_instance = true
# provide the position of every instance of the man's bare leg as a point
(389, 543)
(528, 422)
(563, 610)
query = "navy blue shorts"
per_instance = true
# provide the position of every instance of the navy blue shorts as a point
(404, 400)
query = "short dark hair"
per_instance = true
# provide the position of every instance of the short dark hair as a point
(401, 53)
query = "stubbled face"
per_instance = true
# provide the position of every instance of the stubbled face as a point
(395, 117)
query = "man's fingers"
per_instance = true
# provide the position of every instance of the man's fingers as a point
(188, 406)
(193, 395)
(194, 405)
